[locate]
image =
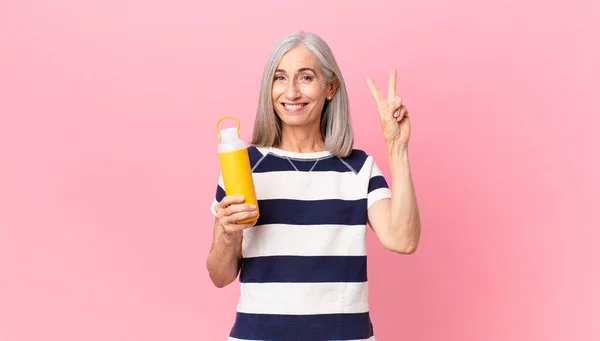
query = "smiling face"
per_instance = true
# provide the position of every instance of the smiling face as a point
(299, 89)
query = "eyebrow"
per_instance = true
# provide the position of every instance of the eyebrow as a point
(299, 70)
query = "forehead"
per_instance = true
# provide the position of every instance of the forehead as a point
(297, 58)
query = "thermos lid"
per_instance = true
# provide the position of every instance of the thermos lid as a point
(229, 134)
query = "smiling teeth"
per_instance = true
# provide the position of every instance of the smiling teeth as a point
(294, 106)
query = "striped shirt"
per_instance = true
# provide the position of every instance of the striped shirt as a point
(304, 264)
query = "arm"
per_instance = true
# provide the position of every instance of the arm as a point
(223, 261)
(396, 221)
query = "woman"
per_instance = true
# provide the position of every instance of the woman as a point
(302, 264)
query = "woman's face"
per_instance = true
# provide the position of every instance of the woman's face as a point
(299, 90)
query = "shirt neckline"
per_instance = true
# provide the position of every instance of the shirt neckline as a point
(298, 155)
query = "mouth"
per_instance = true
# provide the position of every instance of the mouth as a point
(294, 107)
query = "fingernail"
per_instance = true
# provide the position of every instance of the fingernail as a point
(240, 197)
(252, 207)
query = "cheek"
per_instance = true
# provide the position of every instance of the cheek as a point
(276, 91)
(313, 92)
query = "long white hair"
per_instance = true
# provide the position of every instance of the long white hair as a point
(336, 124)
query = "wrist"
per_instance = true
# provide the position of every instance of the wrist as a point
(396, 150)
(229, 238)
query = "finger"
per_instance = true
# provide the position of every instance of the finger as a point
(234, 218)
(230, 200)
(403, 112)
(397, 105)
(237, 208)
(247, 225)
(233, 208)
(392, 85)
(241, 227)
(374, 91)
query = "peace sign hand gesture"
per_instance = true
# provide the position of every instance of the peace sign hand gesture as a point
(395, 123)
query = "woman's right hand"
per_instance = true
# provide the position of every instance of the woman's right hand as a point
(230, 210)
(223, 261)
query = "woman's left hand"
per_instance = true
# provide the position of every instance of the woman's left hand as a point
(395, 122)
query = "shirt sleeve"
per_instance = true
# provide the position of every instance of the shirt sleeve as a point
(219, 195)
(378, 186)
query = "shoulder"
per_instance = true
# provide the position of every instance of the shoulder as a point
(358, 159)
(256, 154)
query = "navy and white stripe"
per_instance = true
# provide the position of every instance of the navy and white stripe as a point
(304, 265)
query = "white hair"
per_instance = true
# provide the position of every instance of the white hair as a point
(336, 124)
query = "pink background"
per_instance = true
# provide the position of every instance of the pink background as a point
(108, 162)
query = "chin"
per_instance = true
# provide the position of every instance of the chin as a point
(293, 120)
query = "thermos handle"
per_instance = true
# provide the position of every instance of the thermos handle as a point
(231, 117)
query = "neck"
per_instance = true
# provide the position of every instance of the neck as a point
(301, 140)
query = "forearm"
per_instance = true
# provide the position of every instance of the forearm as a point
(405, 223)
(223, 262)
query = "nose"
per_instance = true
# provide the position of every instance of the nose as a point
(292, 92)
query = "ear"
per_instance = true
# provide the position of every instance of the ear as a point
(332, 88)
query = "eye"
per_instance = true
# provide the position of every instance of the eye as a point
(278, 78)
(306, 78)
